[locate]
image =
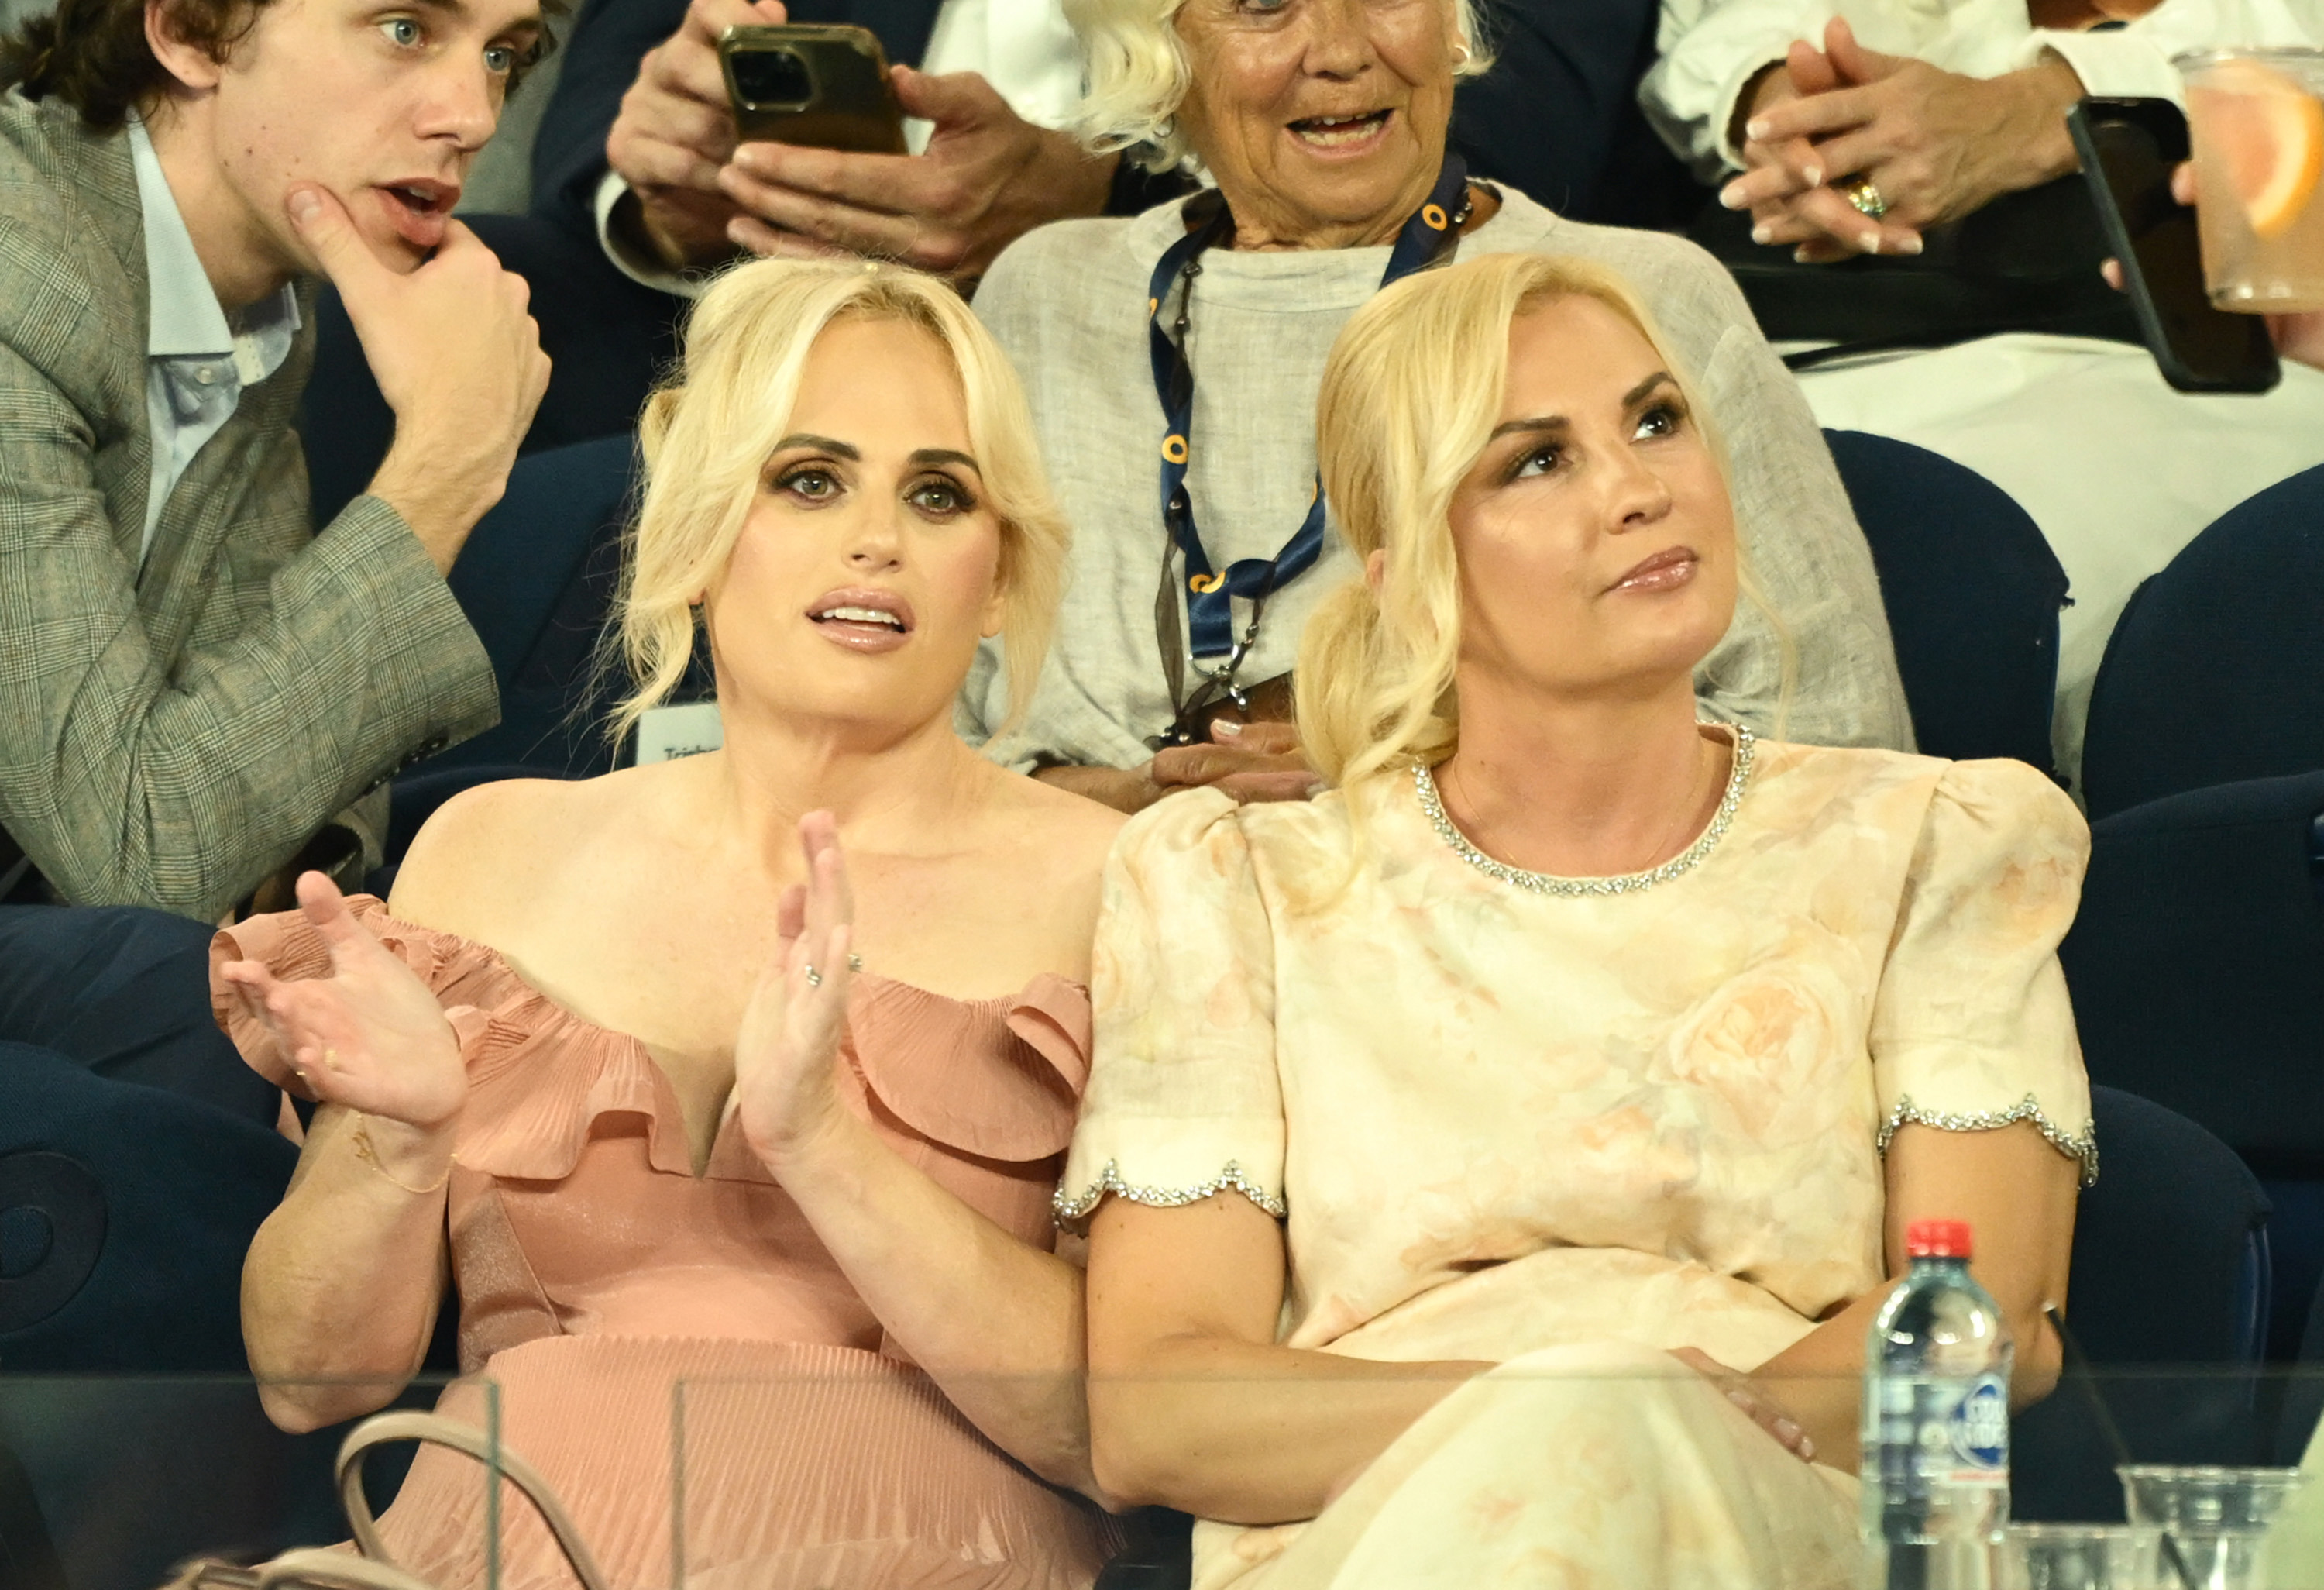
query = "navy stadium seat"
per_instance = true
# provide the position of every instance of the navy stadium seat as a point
(1972, 592)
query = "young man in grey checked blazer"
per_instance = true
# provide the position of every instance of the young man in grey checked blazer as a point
(197, 685)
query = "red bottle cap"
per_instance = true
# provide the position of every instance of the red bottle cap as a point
(1937, 1239)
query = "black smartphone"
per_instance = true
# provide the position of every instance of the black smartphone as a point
(2128, 149)
(821, 85)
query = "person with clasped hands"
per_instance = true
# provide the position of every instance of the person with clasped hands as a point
(201, 683)
(671, 1092)
(1857, 126)
(1498, 1162)
(1172, 360)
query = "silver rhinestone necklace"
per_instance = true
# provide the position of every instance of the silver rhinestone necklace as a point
(1424, 783)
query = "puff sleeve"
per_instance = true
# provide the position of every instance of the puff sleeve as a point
(1184, 1099)
(1972, 1027)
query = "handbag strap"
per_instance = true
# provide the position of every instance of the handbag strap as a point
(434, 1429)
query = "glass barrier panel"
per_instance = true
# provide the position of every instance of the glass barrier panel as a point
(861, 1470)
(112, 1482)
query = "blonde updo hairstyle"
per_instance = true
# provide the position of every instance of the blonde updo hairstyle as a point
(706, 436)
(1410, 396)
(1137, 74)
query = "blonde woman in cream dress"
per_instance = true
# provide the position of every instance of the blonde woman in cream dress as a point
(1492, 1167)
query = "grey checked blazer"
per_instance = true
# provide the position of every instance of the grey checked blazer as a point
(170, 736)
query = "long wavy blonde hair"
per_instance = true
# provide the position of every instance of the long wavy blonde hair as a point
(1410, 396)
(707, 434)
(1137, 74)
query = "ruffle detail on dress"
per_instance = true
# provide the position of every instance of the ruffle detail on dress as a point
(2082, 1149)
(998, 1079)
(1072, 1209)
(1030, 1055)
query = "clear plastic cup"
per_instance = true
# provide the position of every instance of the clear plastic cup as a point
(2257, 123)
(2082, 1556)
(2217, 1518)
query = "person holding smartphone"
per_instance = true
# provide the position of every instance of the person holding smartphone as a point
(645, 155)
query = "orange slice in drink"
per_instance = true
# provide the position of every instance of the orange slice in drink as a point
(2269, 132)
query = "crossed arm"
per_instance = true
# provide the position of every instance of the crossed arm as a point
(1193, 1404)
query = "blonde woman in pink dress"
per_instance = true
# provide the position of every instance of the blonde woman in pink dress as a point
(1494, 1167)
(672, 1104)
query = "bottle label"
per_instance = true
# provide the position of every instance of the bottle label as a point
(1978, 1432)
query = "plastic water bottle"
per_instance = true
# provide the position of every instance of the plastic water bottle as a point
(1935, 1468)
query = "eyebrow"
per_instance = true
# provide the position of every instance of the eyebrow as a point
(459, 11)
(944, 455)
(854, 455)
(821, 444)
(1553, 422)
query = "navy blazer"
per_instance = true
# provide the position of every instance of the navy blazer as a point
(1545, 120)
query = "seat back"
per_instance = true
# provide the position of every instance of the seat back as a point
(2195, 961)
(2215, 672)
(133, 1433)
(2170, 1269)
(1972, 592)
(537, 580)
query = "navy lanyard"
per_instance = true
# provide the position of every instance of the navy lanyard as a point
(1428, 238)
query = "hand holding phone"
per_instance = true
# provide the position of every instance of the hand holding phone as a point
(675, 133)
(2129, 149)
(824, 87)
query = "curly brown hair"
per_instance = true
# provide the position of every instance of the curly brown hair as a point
(92, 54)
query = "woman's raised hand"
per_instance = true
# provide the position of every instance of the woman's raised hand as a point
(370, 1036)
(785, 1089)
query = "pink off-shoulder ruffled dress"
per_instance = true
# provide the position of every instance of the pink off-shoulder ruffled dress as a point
(627, 1310)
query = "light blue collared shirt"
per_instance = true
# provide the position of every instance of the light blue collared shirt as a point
(197, 362)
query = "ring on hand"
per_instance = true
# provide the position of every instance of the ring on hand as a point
(813, 978)
(855, 961)
(1860, 192)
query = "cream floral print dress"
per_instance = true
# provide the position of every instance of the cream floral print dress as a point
(1565, 1127)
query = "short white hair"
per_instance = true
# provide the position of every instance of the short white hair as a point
(1138, 75)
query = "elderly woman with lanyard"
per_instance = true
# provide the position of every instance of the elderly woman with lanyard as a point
(1173, 360)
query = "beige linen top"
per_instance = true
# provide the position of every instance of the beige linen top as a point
(1502, 1121)
(1067, 303)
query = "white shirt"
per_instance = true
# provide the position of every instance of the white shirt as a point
(197, 362)
(1024, 47)
(1710, 49)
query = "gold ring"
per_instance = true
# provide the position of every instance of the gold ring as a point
(1864, 195)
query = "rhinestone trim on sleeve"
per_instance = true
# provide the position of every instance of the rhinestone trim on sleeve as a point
(1068, 1210)
(2084, 1147)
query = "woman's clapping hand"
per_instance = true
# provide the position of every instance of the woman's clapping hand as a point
(369, 1036)
(784, 1090)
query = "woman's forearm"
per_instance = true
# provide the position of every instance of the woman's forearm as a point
(1250, 1434)
(1819, 1378)
(995, 1323)
(341, 1286)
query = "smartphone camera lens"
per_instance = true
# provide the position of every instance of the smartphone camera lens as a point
(772, 78)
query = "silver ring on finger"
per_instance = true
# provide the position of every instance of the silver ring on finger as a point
(855, 961)
(813, 978)
(1863, 193)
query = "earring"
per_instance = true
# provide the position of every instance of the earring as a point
(1460, 59)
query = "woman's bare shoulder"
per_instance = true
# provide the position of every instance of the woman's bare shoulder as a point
(491, 851)
(1076, 830)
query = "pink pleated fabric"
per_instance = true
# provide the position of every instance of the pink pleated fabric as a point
(621, 1303)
